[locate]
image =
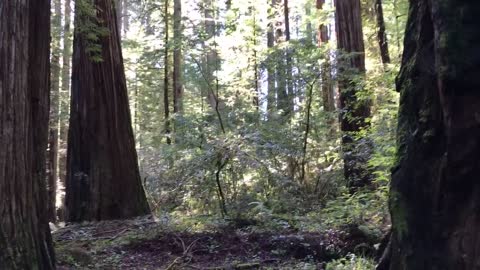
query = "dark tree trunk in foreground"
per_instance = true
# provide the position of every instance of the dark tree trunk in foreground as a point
(381, 33)
(25, 241)
(354, 112)
(119, 12)
(103, 180)
(435, 190)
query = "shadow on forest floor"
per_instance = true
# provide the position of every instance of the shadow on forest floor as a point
(147, 244)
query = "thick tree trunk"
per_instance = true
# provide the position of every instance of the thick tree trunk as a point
(354, 112)
(381, 33)
(211, 53)
(25, 241)
(103, 180)
(64, 106)
(435, 191)
(119, 12)
(177, 57)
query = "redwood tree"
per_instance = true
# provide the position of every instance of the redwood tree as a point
(382, 33)
(354, 111)
(103, 180)
(25, 241)
(435, 193)
(177, 58)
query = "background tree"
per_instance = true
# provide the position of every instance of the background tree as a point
(103, 180)
(52, 161)
(177, 57)
(382, 35)
(355, 110)
(24, 79)
(64, 104)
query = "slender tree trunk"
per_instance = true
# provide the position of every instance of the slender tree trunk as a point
(307, 132)
(288, 61)
(309, 28)
(103, 179)
(271, 97)
(435, 193)
(52, 153)
(177, 58)
(166, 80)
(381, 33)
(255, 66)
(355, 112)
(25, 241)
(64, 106)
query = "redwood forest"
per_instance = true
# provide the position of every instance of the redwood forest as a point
(248, 134)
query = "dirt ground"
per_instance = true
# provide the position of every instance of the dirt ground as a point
(147, 244)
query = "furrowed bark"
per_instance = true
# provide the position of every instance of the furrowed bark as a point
(103, 179)
(25, 241)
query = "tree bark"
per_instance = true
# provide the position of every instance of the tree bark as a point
(64, 105)
(288, 61)
(177, 57)
(435, 194)
(119, 12)
(354, 112)
(103, 180)
(211, 58)
(328, 95)
(52, 153)
(381, 33)
(166, 80)
(25, 241)
(271, 95)
(126, 17)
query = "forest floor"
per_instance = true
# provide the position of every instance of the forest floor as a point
(145, 243)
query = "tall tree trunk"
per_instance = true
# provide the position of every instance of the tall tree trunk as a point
(25, 241)
(255, 66)
(271, 97)
(288, 61)
(381, 33)
(166, 80)
(435, 192)
(64, 105)
(328, 94)
(309, 28)
(177, 57)
(211, 53)
(355, 112)
(126, 17)
(56, 25)
(103, 179)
